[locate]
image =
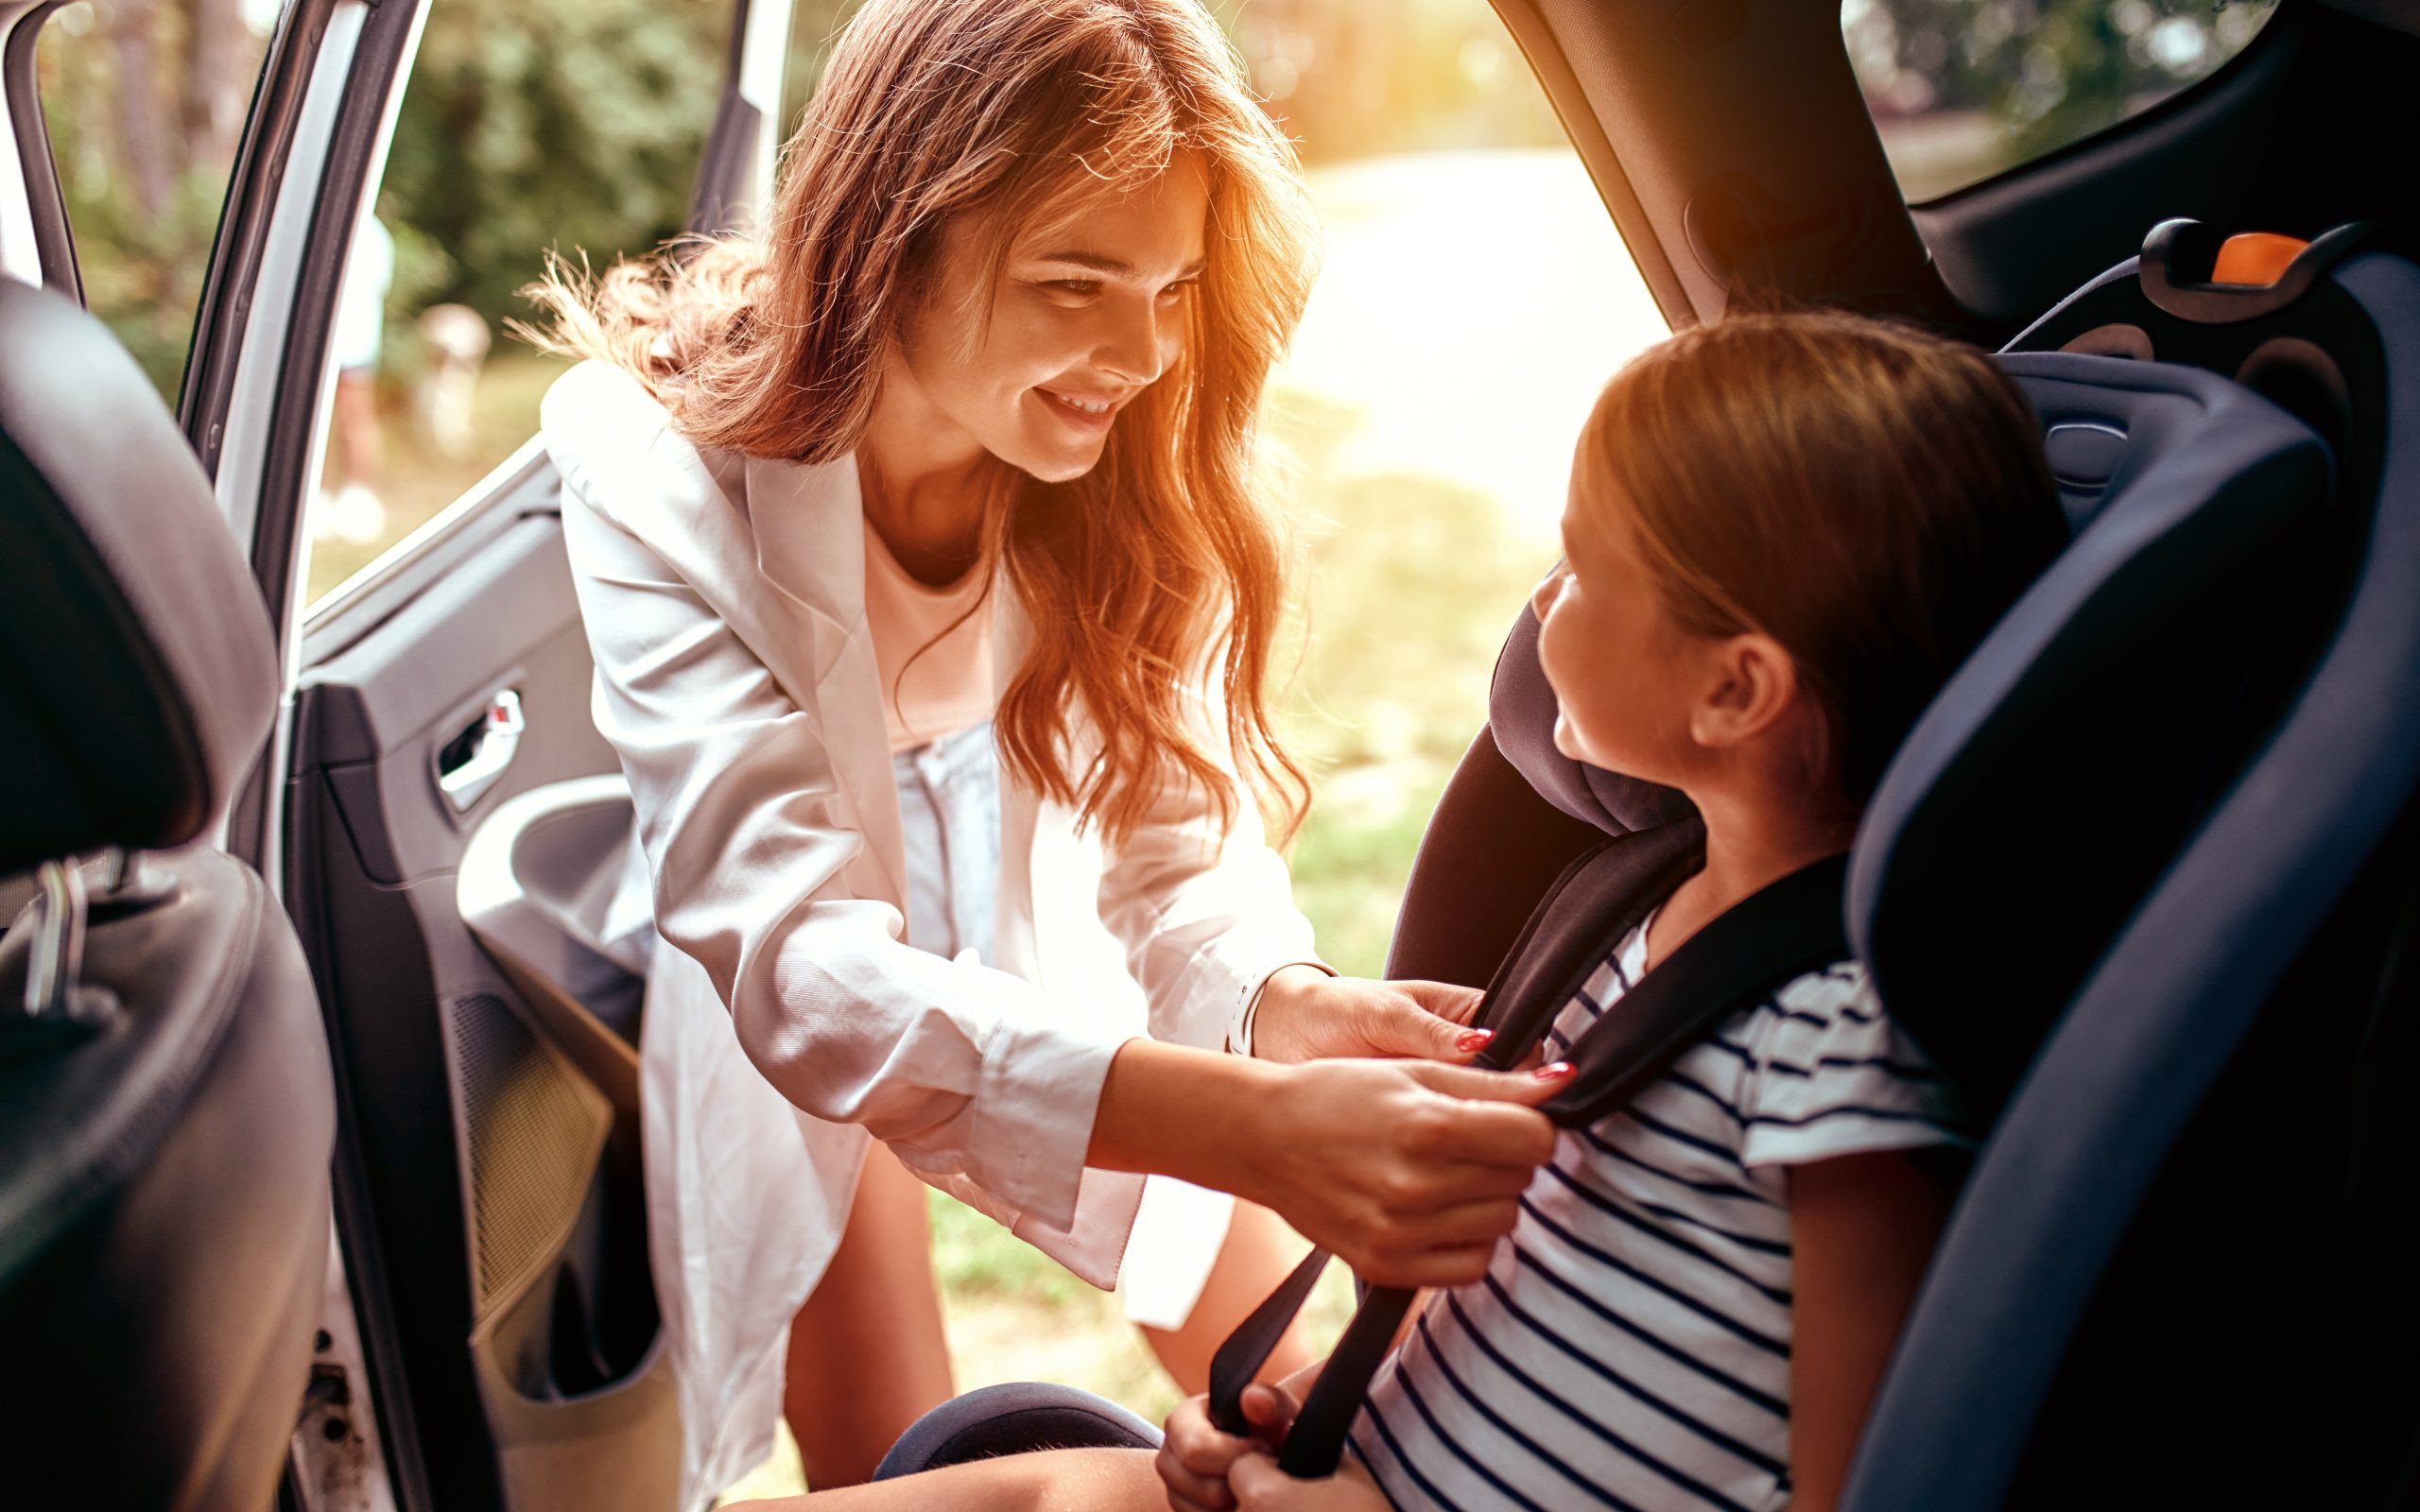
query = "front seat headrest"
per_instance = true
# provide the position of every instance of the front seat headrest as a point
(138, 674)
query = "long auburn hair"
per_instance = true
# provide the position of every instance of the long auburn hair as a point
(1160, 566)
(1872, 496)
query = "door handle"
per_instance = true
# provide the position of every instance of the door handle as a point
(471, 763)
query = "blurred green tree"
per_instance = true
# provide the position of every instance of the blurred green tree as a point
(144, 101)
(532, 124)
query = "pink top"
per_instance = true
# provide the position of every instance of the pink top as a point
(939, 637)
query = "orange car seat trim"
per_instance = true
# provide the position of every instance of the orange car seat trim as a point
(2256, 258)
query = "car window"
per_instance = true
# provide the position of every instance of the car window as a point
(525, 126)
(145, 106)
(1963, 90)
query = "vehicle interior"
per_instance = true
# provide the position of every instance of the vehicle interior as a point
(2170, 799)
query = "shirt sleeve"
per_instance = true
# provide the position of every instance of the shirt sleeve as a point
(756, 860)
(1202, 904)
(1833, 1073)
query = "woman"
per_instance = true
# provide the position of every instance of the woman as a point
(956, 459)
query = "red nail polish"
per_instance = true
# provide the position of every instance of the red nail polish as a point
(1474, 1039)
(1554, 1071)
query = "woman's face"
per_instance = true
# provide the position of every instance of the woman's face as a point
(1623, 670)
(1081, 319)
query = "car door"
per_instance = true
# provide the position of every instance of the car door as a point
(498, 1349)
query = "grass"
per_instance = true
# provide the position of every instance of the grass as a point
(1410, 583)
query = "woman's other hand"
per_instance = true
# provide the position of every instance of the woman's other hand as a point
(1259, 1485)
(1306, 1014)
(1195, 1455)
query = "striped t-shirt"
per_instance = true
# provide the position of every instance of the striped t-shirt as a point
(1629, 1347)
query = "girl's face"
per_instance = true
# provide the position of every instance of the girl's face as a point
(1035, 366)
(1625, 673)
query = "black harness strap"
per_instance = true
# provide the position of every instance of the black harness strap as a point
(1783, 931)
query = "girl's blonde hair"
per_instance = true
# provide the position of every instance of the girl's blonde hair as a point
(1871, 496)
(1160, 563)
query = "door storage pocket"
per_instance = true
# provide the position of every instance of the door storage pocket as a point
(566, 1338)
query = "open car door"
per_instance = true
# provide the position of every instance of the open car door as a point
(494, 1348)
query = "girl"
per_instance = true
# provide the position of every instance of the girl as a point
(929, 600)
(1784, 532)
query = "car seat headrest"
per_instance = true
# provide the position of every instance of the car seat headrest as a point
(2268, 310)
(2189, 271)
(1520, 714)
(138, 674)
(2047, 788)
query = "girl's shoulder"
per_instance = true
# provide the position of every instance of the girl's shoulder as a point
(1829, 1072)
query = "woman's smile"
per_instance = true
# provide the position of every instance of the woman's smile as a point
(1087, 413)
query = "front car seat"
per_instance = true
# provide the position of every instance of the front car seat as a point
(166, 1110)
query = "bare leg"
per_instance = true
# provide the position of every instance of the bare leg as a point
(1259, 1251)
(867, 1354)
(1063, 1480)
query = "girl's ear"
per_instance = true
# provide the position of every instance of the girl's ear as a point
(1752, 689)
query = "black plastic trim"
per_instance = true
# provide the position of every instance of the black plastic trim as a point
(309, 901)
(386, 34)
(2179, 255)
(228, 286)
(54, 238)
(713, 207)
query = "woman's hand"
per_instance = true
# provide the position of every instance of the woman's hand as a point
(1305, 1014)
(1195, 1455)
(1259, 1485)
(1408, 1169)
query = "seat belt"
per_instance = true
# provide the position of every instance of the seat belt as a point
(1783, 931)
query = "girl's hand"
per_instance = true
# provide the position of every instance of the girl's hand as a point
(1408, 1170)
(1259, 1485)
(1306, 1014)
(1195, 1455)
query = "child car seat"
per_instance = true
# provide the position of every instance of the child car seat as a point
(2081, 746)
(2174, 1276)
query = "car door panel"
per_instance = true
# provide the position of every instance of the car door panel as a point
(490, 1177)
(500, 1182)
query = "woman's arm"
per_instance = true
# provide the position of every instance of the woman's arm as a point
(961, 1068)
(759, 871)
(1863, 1227)
(1408, 1169)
